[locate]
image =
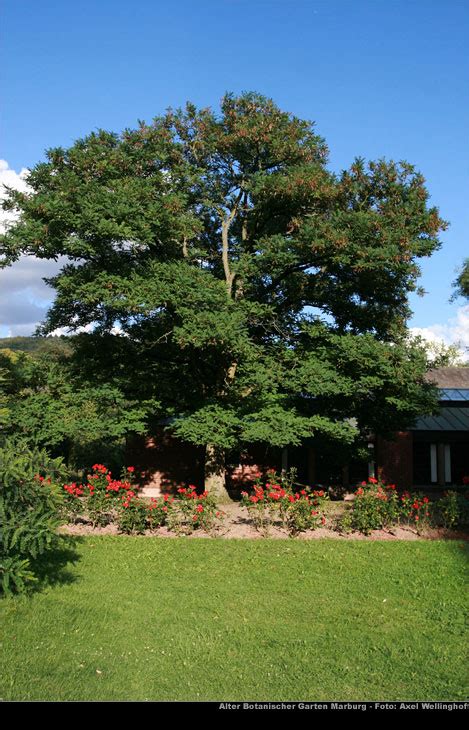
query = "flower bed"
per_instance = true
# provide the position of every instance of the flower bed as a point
(276, 500)
(103, 500)
(378, 506)
(274, 505)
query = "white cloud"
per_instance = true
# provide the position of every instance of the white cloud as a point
(66, 331)
(11, 179)
(24, 297)
(454, 332)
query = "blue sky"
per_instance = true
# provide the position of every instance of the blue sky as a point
(381, 78)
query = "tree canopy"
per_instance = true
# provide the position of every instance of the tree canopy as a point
(230, 277)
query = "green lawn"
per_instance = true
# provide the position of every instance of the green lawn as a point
(181, 619)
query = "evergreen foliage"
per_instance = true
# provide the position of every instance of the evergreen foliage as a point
(29, 504)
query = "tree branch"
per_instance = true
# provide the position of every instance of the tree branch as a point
(225, 227)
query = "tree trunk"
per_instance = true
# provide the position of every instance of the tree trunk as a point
(215, 473)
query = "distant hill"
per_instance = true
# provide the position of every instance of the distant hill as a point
(37, 344)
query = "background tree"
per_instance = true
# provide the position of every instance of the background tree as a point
(46, 404)
(441, 355)
(259, 296)
(462, 282)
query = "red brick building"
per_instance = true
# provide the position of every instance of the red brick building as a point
(433, 452)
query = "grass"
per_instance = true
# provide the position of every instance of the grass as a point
(135, 618)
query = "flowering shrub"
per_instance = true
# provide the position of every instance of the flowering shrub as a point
(103, 499)
(132, 514)
(72, 504)
(193, 511)
(301, 514)
(159, 511)
(376, 506)
(104, 493)
(416, 510)
(453, 510)
(369, 510)
(276, 498)
(100, 496)
(259, 508)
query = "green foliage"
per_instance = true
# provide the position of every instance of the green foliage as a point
(158, 511)
(462, 282)
(192, 511)
(374, 508)
(29, 511)
(453, 510)
(51, 406)
(378, 506)
(258, 296)
(441, 355)
(4, 411)
(52, 345)
(132, 516)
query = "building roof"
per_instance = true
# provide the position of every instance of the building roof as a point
(448, 419)
(454, 395)
(453, 384)
(449, 377)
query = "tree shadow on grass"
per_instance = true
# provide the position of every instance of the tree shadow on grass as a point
(55, 567)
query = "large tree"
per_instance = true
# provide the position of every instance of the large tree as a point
(259, 297)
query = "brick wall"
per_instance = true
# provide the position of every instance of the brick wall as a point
(394, 459)
(165, 463)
